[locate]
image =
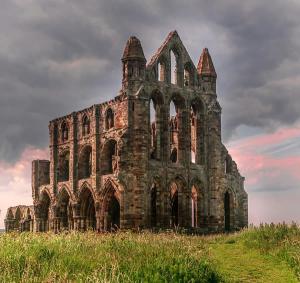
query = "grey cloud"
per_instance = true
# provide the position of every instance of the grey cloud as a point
(56, 57)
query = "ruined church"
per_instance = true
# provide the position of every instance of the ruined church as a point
(151, 157)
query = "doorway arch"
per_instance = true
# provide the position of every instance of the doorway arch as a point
(87, 209)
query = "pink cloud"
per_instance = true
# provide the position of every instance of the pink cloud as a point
(15, 180)
(247, 152)
(269, 139)
(272, 182)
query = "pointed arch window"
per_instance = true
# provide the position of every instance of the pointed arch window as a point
(109, 157)
(173, 156)
(161, 68)
(64, 132)
(63, 166)
(85, 126)
(188, 74)
(227, 165)
(109, 119)
(85, 163)
(174, 67)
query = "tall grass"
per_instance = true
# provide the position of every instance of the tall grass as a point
(280, 240)
(147, 257)
(90, 257)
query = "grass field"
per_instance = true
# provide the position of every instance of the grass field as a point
(266, 254)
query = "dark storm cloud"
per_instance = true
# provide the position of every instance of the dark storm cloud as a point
(59, 56)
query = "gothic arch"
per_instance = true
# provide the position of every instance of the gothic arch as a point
(45, 210)
(162, 69)
(85, 125)
(111, 208)
(197, 131)
(64, 209)
(63, 165)
(157, 97)
(175, 72)
(154, 201)
(85, 162)
(178, 100)
(86, 186)
(28, 214)
(156, 102)
(87, 205)
(177, 201)
(109, 157)
(229, 207)
(177, 131)
(10, 214)
(64, 131)
(109, 118)
(189, 74)
(228, 164)
(198, 210)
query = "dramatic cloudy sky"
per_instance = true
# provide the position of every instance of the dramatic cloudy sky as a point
(59, 56)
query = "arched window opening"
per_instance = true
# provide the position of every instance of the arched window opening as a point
(153, 202)
(45, 212)
(109, 158)
(28, 214)
(174, 209)
(177, 133)
(173, 156)
(173, 109)
(193, 135)
(174, 67)
(188, 75)
(63, 166)
(85, 126)
(155, 124)
(194, 207)
(10, 215)
(227, 165)
(161, 67)
(65, 211)
(173, 123)
(113, 214)
(88, 211)
(153, 130)
(64, 132)
(197, 132)
(109, 119)
(227, 212)
(85, 163)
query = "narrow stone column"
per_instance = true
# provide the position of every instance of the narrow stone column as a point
(38, 225)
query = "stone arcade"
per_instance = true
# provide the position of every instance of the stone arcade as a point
(152, 157)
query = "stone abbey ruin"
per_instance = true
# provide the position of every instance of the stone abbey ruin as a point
(152, 157)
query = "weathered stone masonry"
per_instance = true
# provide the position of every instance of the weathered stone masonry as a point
(132, 163)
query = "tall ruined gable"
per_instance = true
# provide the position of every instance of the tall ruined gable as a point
(162, 56)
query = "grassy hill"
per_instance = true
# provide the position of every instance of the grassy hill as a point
(266, 254)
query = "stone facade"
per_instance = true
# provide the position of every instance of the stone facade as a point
(150, 157)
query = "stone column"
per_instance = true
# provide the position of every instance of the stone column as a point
(76, 216)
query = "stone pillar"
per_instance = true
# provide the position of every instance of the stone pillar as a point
(76, 216)
(56, 224)
(73, 174)
(39, 225)
(53, 131)
(215, 167)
